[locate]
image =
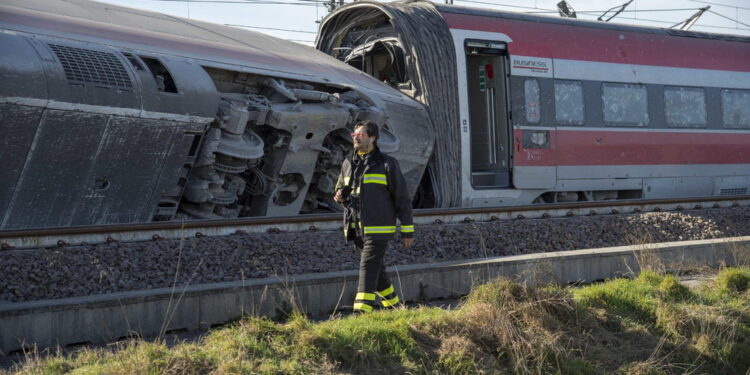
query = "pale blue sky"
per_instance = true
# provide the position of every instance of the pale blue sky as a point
(302, 15)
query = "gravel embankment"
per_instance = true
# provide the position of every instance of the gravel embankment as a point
(115, 267)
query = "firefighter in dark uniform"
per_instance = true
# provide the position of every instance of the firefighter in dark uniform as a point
(374, 192)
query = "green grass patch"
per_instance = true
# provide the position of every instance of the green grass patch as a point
(635, 300)
(734, 280)
(381, 342)
(647, 325)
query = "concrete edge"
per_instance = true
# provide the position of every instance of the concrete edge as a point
(110, 317)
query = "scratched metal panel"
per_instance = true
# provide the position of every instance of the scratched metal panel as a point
(411, 124)
(21, 71)
(18, 125)
(173, 168)
(121, 183)
(198, 95)
(55, 176)
(98, 86)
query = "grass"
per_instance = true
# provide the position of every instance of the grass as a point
(647, 325)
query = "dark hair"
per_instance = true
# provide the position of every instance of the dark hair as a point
(372, 129)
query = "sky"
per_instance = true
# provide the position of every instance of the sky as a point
(298, 20)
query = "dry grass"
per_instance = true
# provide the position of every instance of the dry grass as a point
(740, 254)
(517, 323)
(647, 325)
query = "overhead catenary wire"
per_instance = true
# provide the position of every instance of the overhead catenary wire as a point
(690, 21)
(538, 10)
(271, 28)
(588, 13)
(530, 9)
(616, 12)
(260, 2)
(238, 1)
(733, 20)
(505, 5)
(624, 11)
(719, 4)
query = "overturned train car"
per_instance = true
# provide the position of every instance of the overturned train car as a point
(116, 115)
(531, 109)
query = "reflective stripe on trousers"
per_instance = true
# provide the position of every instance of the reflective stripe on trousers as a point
(372, 276)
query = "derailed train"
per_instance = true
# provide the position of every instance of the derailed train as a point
(115, 115)
(530, 108)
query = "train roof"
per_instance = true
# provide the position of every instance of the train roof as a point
(216, 45)
(484, 12)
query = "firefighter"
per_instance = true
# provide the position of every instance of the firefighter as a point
(374, 192)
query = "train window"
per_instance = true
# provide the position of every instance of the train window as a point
(735, 105)
(532, 103)
(569, 102)
(625, 104)
(685, 107)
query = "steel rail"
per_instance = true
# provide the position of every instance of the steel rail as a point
(73, 235)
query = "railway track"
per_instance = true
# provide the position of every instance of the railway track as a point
(162, 284)
(79, 235)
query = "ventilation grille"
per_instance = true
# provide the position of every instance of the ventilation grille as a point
(84, 65)
(736, 191)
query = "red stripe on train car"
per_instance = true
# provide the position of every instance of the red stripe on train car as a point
(603, 45)
(583, 147)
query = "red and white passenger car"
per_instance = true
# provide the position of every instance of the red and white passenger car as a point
(557, 109)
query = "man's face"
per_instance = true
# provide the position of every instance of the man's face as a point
(362, 142)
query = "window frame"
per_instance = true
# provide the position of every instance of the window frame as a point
(538, 100)
(625, 124)
(723, 113)
(580, 85)
(702, 125)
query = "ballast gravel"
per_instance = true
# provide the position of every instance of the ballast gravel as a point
(115, 267)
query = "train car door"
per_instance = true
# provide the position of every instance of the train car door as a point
(486, 77)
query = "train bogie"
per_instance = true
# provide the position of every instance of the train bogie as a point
(106, 123)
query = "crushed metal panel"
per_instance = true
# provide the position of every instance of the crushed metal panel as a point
(411, 125)
(168, 193)
(55, 172)
(18, 124)
(119, 187)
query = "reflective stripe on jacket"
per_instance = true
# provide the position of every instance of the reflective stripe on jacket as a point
(379, 197)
